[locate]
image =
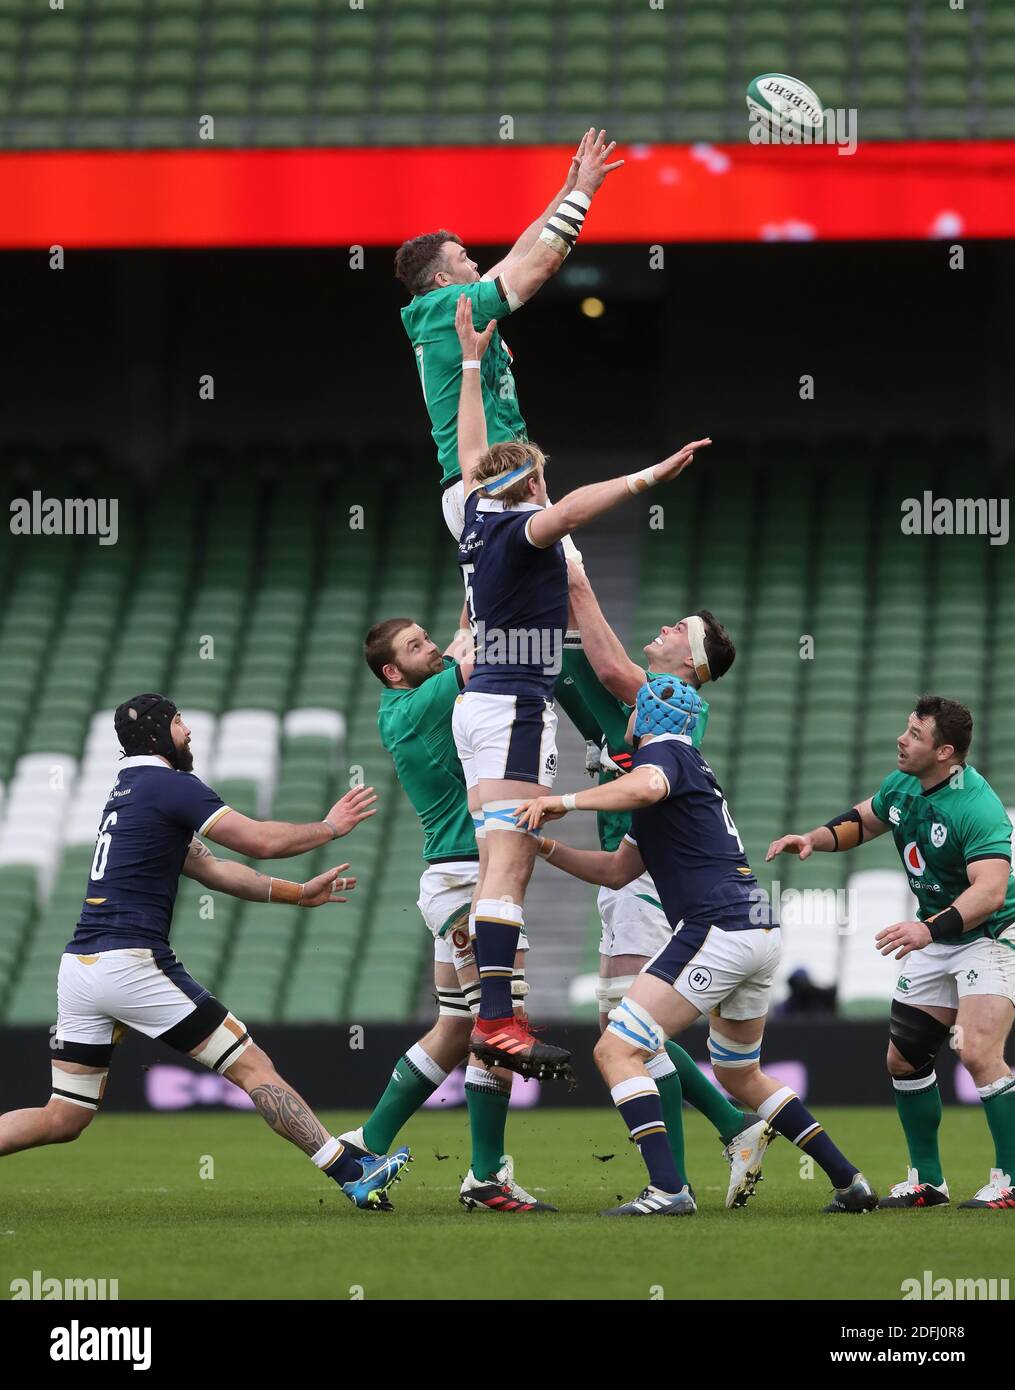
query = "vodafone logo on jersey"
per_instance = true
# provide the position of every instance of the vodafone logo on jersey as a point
(913, 859)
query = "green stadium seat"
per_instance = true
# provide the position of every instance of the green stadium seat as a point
(165, 99)
(639, 26)
(291, 61)
(705, 60)
(947, 56)
(824, 23)
(49, 99)
(526, 62)
(765, 55)
(52, 65)
(116, 29)
(235, 29)
(643, 94)
(706, 25)
(882, 91)
(592, 61)
(589, 28)
(291, 28)
(999, 88)
(407, 98)
(703, 94)
(168, 29)
(885, 56)
(459, 96)
(231, 61)
(883, 23)
(530, 28)
(463, 28)
(224, 98)
(284, 98)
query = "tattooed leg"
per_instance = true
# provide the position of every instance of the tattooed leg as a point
(289, 1115)
(283, 1108)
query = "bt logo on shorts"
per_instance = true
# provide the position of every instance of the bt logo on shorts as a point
(699, 978)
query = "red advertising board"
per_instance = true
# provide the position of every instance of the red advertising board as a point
(343, 197)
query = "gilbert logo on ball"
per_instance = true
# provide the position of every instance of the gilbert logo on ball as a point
(781, 103)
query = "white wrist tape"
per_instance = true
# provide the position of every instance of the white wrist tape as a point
(472, 363)
(641, 482)
(331, 827)
(567, 801)
(561, 231)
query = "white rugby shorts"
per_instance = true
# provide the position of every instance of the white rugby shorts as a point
(445, 896)
(941, 975)
(634, 923)
(505, 738)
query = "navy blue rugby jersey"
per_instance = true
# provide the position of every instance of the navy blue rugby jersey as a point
(147, 824)
(690, 844)
(517, 597)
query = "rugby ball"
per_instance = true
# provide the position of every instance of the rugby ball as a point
(784, 103)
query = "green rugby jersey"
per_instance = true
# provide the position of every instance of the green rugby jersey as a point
(415, 728)
(938, 832)
(612, 715)
(429, 320)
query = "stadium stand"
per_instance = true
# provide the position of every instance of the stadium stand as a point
(135, 73)
(249, 605)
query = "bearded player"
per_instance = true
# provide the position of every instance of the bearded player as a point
(720, 959)
(421, 686)
(605, 681)
(435, 267)
(954, 838)
(119, 971)
(504, 723)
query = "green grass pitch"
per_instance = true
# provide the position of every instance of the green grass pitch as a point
(127, 1201)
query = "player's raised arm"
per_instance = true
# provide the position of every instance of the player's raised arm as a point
(273, 839)
(530, 236)
(472, 440)
(549, 241)
(241, 881)
(845, 831)
(604, 649)
(583, 505)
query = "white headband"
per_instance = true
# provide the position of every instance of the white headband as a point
(696, 637)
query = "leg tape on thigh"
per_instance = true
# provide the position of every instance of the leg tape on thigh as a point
(726, 1052)
(472, 996)
(636, 1026)
(500, 815)
(611, 992)
(80, 1088)
(229, 1040)
(452, 1003)
(478, 824)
